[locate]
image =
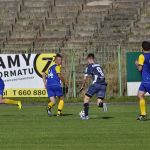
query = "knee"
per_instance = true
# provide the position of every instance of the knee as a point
(140, 96)
(53, 100)
(61, 98)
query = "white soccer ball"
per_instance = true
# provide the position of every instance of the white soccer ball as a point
(82, 113)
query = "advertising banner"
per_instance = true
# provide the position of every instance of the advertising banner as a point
(22, 74)
(133, 75)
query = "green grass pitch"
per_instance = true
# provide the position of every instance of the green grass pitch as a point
(32, 129)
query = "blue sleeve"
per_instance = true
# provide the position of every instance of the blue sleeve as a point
(87, 71)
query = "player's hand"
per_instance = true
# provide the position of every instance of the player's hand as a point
(136, 63)
(45, 85)
(82, 88)
(66, 84)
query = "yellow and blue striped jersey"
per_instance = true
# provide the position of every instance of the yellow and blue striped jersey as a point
(144, 60)
(52, 75)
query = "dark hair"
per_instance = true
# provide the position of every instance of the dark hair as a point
(58, 55)
(91, 55)
(146, 46)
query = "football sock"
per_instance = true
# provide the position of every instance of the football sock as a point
(50, 105)
(142, 107)
(60, 106)
(9, 101)
(86, 109)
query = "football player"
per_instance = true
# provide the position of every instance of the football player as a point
(53, 83)
(97, 87)
(143, 65)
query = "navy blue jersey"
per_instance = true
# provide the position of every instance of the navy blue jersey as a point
(96, 72)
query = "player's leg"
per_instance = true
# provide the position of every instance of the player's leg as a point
(102, 104)
(86, 106)
(91, 91)
(12, 102)
(51, 104)
(59, 94)
(100, 98)
(51, 95)
(60, 106)
(141, 93)
(9, 101)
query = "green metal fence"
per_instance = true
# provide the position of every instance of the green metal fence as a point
(113, 62)
(111, 58)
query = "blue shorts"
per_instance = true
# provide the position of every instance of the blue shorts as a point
(145, 87)
(2, 86)
(98, 89)
(54, 91)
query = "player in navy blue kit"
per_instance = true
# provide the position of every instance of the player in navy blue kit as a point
(97, 87)
(52, 79)
(143, 65)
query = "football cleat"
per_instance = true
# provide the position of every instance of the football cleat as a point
(85, 118)
(82, 115)
(49, 112)
(59, 113)
(142, 118)
(19, 105)
(105, 108)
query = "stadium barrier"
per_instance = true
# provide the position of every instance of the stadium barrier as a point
(111, 58)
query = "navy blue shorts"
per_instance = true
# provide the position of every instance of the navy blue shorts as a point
(54, 91)
(98, 89)
(145, 87)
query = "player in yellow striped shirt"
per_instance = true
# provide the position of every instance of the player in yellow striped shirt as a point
(52, 80)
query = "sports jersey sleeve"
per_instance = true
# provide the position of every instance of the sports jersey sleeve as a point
(141, 60)
(87, 72)
(58, 69)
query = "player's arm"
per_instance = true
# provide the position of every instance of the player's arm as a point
(140, 62)
(44, 79)
(58, 71)
(61, 78)
(44, 75)
(86, 74)
(84, 82)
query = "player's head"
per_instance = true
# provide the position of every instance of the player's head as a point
(146, 46)
(90, 58)
(58, 59)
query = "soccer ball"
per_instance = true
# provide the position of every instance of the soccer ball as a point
(82, 113)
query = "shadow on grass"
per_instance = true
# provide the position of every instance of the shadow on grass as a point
(64, 115)
(148, 119)
(106, 117)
